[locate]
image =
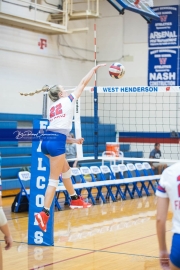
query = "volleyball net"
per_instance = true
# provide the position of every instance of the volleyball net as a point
(136, 117)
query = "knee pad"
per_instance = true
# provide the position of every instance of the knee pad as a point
(3, 219)
(53, 183)
(67, 174)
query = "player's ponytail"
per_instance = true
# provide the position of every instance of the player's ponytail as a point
(44, 89)
(53, 92)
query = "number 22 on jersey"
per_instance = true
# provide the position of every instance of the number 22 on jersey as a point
(56, 110)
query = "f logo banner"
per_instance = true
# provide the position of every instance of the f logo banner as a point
(42, 43)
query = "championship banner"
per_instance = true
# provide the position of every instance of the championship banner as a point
(163, 67)
(164, 33)
(38, 185)
(136, 89)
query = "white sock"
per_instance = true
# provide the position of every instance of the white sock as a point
(74, 194)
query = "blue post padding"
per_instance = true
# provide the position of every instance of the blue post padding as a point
(95, 123)
(38, 185)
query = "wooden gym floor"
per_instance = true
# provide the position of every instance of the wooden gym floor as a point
(119, 235)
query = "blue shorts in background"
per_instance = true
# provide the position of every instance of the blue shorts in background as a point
(175, 250)
(53, 144)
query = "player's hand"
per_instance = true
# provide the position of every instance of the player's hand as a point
(80, 141)
(9, 241)
(164, 260)
(98, 66)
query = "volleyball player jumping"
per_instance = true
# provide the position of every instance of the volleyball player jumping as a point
(169, 190)
(60, 124)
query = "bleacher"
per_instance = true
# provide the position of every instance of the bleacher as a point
(106, 133)
(16, 155)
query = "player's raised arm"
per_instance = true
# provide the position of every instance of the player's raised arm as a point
(85, 80)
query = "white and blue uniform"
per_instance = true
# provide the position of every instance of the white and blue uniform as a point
(60, 124)
(169, 187)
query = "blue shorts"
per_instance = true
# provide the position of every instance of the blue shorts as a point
(175, 250)
(53, 144)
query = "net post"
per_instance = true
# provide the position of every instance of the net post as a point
(95, 123)
(40, 176)
(44, 110)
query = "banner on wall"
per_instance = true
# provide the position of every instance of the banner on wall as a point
(164, 33)
(163, 67)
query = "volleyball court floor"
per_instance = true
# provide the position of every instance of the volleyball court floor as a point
(119, 235)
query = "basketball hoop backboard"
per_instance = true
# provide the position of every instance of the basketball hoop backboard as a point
(141, 8)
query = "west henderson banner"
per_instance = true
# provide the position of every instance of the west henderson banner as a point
(164, 33)
(163, 67)
(136, 89)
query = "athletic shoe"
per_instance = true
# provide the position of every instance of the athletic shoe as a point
(42, 220)
(79, 203)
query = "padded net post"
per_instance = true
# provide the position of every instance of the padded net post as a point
(38, 185)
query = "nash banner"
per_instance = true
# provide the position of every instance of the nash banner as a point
(163, 67)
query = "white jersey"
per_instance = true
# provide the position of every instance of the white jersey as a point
(61, 115)
(169, 187)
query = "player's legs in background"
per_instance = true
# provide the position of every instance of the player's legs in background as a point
(160, 168)
(165, 166)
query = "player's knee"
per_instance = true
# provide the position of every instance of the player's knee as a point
(53, 183)
(67, 174)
